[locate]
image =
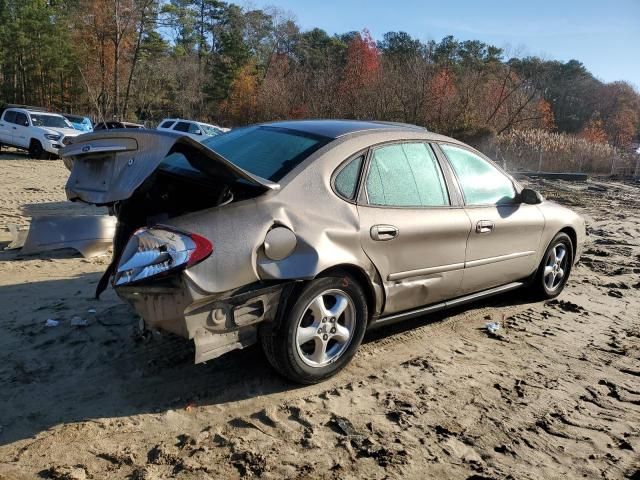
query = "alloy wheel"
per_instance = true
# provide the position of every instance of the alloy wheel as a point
(555, 267)
(326, 328)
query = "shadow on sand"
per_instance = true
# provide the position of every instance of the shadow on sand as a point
(64, 374)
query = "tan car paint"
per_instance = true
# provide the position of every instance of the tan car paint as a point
(504, 250)
(424, 264)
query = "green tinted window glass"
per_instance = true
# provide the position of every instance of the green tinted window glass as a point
(481, 182)
(406, 175)
(347, 180)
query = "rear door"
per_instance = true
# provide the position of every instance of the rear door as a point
(6, 126)
(412, 229)
(505, 234)
(21, 130)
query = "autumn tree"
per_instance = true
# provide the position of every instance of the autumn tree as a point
(360, 74)
(594, 132)
(240, 106)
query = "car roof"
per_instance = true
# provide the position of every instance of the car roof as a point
(339, 128)
(186, 121)
(33, 111)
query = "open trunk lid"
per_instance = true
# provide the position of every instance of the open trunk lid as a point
(109, 166)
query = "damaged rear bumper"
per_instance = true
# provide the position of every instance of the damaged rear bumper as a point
(216, 323)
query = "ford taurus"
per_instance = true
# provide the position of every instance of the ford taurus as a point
(301, 235)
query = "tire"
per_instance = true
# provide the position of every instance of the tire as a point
(36, 151)
(307, 343)
(553, 272)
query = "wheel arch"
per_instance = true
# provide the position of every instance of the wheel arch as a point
(573, 236)
(374, 300)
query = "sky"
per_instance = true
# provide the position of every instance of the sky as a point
(604, 34)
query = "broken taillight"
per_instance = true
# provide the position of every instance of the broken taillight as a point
(157, 251)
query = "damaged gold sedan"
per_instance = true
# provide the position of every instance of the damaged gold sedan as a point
(304, 234)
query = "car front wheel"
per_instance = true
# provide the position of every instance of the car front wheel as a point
(554, 270)
(36, 151)
(320, 332)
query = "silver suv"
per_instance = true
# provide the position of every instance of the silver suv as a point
(196, 130)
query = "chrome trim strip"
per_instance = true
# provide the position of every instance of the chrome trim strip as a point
(425, 271)
(500, 258)
(485, 293)
(397, 317)
(81, 149)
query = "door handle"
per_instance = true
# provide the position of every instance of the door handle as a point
(382, 233)
(485, 226)
(15, 128)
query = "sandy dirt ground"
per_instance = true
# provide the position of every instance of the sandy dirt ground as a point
(556, 394)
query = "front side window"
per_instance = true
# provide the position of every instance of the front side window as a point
(481, 182)
(195, 129)
(346, 181)
(21, 119)
(406, 175)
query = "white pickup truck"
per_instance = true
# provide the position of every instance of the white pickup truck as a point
(41, 133)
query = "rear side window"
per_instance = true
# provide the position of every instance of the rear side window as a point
(406, 175)
(167, 124)
(10, 116)
(181, 127)
(346, 181)
(480, 181)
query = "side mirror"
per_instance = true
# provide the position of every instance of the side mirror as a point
(26, 123)
(530, 196)
(198, 132)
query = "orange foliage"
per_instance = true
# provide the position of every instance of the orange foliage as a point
(442, 95)
(362, 63)
(442, 86)
(548, 119)
(101, 30)
(594, 132)
(298, 112)
(622, 127)
(242, 101)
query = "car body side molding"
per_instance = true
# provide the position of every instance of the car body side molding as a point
(398, 317)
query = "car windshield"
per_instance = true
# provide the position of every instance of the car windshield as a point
(268, 152)
(74, 119)
(210, 130)
(56, 121)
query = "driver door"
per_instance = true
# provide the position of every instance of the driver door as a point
(505, 234)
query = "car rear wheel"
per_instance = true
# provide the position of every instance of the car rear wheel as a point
(554, 270)
(319, 333)
(36, 151)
